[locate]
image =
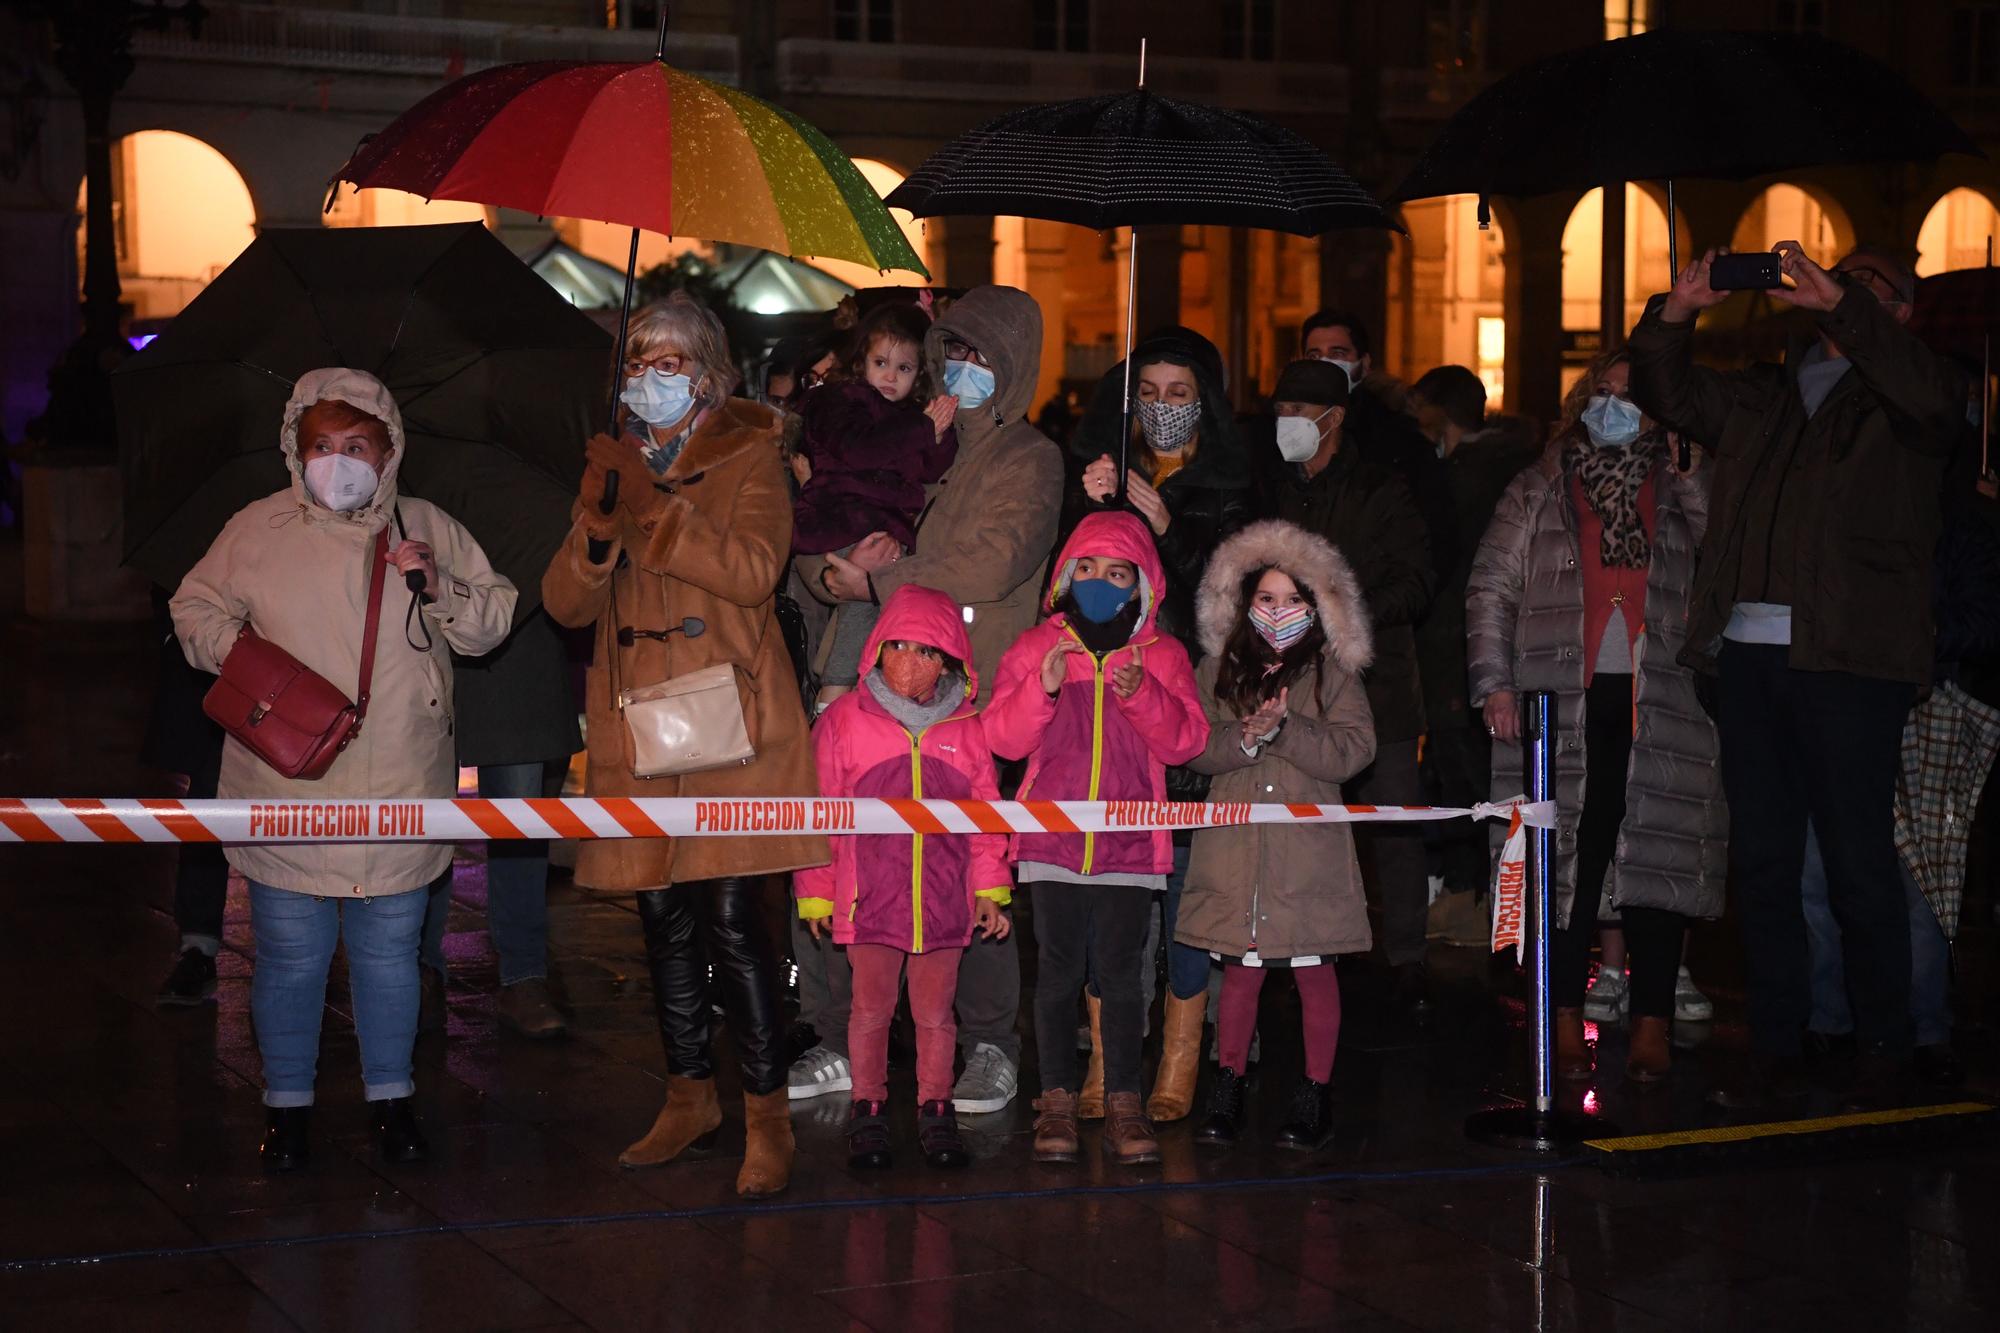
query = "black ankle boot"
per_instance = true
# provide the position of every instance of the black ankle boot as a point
(1312, 1117)
(1225, 1110)
(868, 1138)
(287, 1145)
(937, 1135)
(402, 1141)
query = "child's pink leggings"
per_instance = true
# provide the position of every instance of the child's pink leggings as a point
(1319, 998)
(933, 983)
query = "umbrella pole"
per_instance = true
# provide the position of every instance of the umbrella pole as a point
(1986, 372)
(618, 364)
(1125, 410)
(1684, 454)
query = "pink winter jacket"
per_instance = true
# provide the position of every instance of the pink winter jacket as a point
(1086, 743)
(911, 893)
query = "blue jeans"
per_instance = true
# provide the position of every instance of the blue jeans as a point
(295, 935)
(1930, 958)
(517, 884)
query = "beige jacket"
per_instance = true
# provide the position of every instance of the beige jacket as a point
(298, 573)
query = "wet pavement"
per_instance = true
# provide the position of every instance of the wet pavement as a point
(133, 1196)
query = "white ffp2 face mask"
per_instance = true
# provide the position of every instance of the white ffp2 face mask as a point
(341, 482)
(1298, 437)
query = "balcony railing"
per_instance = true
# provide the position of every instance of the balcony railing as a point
(329, 39)
(986, 74)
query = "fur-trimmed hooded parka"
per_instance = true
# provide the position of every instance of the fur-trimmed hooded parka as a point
(1289, 892)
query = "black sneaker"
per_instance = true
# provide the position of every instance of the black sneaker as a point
(191, 982)
(1938, 1066)
(937, 1135)
(868, 1138)
(402, 1141)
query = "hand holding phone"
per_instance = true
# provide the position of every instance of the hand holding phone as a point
(1757, 270)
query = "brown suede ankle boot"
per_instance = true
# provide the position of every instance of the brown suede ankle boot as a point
(767, 1144)
(1090, 1101)
(1180, 1059)
(1055, 1126)
(1128, 1137)
(1572, 1051)
(1651, 1053)
(687, 1123)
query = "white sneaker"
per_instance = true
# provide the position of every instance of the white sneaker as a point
(1690, 1005)
(988, 1083)
(817, 1073)
(1608, 997)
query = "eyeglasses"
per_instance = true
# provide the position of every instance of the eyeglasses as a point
(954, 350)
(1864, 276)
(667, 363)
(922, 650)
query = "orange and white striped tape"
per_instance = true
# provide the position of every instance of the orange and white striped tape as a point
(48, 819)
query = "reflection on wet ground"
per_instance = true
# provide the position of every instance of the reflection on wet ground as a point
(129, 1133)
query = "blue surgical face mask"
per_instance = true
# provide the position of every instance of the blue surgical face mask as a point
(969, 382)
(658, 399)
(1099, 600)
(1612, 422)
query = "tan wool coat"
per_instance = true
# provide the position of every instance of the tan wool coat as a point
(1291, 891)
(715, 552)
(297, 573)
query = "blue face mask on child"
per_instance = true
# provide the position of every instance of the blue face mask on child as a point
(969, 382)
(1099, 600)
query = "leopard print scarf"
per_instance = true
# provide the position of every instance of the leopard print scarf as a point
(1611, 479)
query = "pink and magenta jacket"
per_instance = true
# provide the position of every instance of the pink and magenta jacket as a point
(914, 893)
(1086, 743)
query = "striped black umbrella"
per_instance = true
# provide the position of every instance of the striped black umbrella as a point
(1132, 160)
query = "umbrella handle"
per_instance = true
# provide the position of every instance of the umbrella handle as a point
(610, 500)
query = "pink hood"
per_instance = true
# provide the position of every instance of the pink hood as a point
(927, 616)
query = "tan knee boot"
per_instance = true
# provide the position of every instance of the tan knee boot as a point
(1090, 1101)
(1180, 1058)
(1652, 1050)
(767, 1144)
(1573, 1059)
(687, 1122)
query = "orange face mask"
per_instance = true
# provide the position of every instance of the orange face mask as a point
(910, 673)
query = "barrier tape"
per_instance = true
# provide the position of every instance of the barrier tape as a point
(43, 820)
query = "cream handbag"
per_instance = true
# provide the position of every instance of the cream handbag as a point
(689, 724)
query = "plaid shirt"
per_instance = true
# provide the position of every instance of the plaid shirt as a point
(1949, 743)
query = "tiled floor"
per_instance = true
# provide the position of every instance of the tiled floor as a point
(133, 1199)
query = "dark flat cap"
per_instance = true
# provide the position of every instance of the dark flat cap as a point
(1319, 382)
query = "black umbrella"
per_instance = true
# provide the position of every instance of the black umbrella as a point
(496, 375)
(1134, 159)
(1678, 103)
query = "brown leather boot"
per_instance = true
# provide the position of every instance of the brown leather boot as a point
(1090, 1101)
(527, 1009)
(767, 1144)
(1651, 1053)
(687, 1123)
(1128, 1135)
(1055, 1126)
(1572, 1051)
(1180, 1058)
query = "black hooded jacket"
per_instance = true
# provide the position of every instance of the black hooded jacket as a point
(1209, 497)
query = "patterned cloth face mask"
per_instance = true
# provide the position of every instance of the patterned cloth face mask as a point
(1281, 627)
(1169, 426)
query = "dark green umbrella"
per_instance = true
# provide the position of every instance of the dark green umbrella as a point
(497, 377)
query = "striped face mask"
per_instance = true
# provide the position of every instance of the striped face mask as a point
(1283, 627)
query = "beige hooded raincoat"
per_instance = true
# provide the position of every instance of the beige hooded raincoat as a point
(298, 574)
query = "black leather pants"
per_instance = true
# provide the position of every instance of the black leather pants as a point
(715, 921)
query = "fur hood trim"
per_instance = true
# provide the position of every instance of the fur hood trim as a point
(1312, 562)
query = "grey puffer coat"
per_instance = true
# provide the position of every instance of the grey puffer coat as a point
(1525, 630)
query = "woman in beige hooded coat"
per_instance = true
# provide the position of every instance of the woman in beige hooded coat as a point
(295, 568)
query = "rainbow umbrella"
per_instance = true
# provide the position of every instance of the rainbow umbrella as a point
(638, 144)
